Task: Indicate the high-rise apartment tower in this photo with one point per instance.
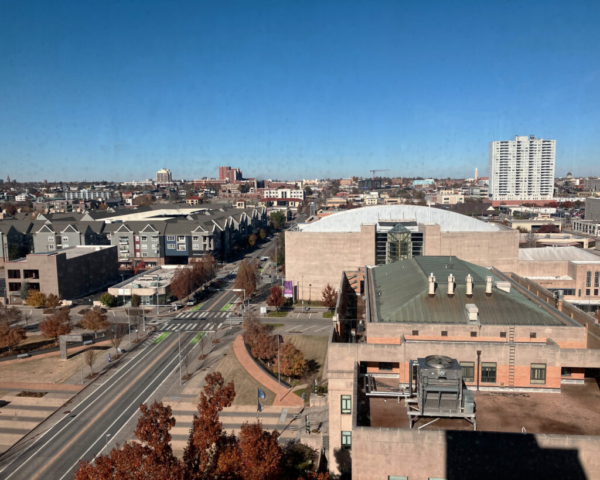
(522, 169)
(164, 176)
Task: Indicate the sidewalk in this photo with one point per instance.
(288, 398)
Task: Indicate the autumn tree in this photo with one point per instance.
(36, 299)
(276, 298)
(115, 333)
(108, 300)
(262, 233)
(182, 282)
(89, 357)
(258, 337)
(252, 240)
(53, 301)
(207, 440)
(291, 361)
(277, 219)
(136, 300)
(95, 319)
(259, 453)
(57, 324)
(11, 336)
(329, 297)
(9, 314)
(548, 228)
(247, 278)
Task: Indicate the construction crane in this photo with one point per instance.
(373, 172)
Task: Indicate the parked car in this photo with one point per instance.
(264, 258)
(191, 303)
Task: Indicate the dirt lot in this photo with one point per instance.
(314, 349)
(44, 370)
(245, 385)
(572, 412)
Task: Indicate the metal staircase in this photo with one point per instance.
(511, 356)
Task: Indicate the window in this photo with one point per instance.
(396, 477)
(444, 333)
(155, 238)
(195, 238)
(31, 274)
(171, 238)
(473, 334)
(196, 246)
(587, 292)
(346, 440)
(565, 371)
(14, 287)
(144, 247)
(144, 254)
(346, 404)
(181, 248)
(533, 335)
(181, 238)
(538, 373)
(144, 238)
(14, 274)
(488, 373)
(502, 334)
(51, 239)
(468, 371)
(596, 279)
(579, 293)
(171, 246)
(595, 292)
(386, 366)
(50, 247)
(588, 279)
(65, 239)
(415, 333)
(123, 240)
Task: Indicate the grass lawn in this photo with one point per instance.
(226, 307)
(328, 315)
(312, 303)
(45, 370)
(304, 390)
(273, 326)
(197, 338)
(277, 314)
(161, 337)
(245, 385)
(314, 349)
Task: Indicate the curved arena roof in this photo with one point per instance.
(351, 220)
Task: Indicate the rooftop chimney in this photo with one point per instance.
(450, 285)
(488, 286)
(469, 281)
(431, 286)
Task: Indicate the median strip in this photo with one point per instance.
(197, 307)
(226, 307)
(197, 338)
(161, 337)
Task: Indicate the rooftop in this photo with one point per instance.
(553, 254)
(351, 220)
(573, 412)
(400, 293)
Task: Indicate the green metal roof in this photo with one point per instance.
(401, 295)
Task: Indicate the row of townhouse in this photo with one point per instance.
(156, 241)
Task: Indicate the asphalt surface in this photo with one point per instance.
(81, 433)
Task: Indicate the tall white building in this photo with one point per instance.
(164, 176)
(522, 169)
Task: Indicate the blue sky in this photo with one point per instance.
(116, 90)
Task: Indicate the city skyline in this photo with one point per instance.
(292, 91)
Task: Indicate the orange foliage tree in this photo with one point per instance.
(59, 323)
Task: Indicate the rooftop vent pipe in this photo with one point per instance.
(450, 285)
(431, 286)
(488, 286)
(469, 280)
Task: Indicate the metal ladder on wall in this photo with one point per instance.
(511, 356)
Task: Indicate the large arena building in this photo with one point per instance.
(317, 253)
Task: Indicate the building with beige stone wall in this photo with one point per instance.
(523, 359)
(318, 253)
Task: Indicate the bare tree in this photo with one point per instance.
(89, 357)
(115, 333)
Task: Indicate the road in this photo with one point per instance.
(82, 431)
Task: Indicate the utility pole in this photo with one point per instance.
(129, 326)
(180, 381)
(81, 357)
(278, 371)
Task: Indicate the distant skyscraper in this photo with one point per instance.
(164, 176)
(230, 174)
(522, 169)
(476, 175)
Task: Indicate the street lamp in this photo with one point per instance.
(106, 443)
(309, 292)
(243, 305)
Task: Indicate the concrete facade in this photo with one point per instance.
(592, 209)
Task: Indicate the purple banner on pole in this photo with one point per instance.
(288, 289)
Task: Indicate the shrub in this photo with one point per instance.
(108, 300)
(36, 299)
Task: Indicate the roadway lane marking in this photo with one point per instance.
(72, 419)
(161, 337)
(328, 326)
(70, 470)
(209, 326)
(292, 327)
(101, 414)
(179, 315)
(191, 325)
(307, 328)
(204, 315)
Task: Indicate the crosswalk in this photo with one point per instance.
(201, 314)
(189, 327)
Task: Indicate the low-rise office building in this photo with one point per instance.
(588, 227)
(70, 273)
(153, 286)
(518, 359)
